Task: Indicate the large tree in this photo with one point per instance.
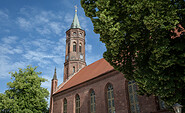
(25, 94)
(145, 41)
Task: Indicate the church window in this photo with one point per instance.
(73, 69)
(161, 103)
(80, 34)
(77, 103)
(80, 47)
(65, 106)
(92, 102)
(74, 46)
(74, 33)
(134, 104)
(110, 98)
(68, 47)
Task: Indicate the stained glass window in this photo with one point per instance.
(77, 104)
(134, 104)
(92, 102)
(110, 98)
(65, 106)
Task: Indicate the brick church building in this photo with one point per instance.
(96, 88)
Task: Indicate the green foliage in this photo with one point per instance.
(138, 37)
(25, 94)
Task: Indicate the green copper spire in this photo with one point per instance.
(55, 75)
(75, 23)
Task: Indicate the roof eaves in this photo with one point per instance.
(84, 81)
(63, 83)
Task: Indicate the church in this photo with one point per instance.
(96, 88)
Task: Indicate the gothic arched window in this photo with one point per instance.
(134, 105)
(92, 102)
(80, 47)
(77, 101)
(65, 106)
(74, 46)
(110, 99)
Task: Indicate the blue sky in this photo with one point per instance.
(32, 32)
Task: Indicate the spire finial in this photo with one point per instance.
(75, 23)
(75, 8)
(55, 75)
(55, 69)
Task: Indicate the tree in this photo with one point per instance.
(145, 40)
(25, 94)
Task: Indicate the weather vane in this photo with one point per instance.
(76, 8)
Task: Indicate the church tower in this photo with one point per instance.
(54, 83)
(75, 48)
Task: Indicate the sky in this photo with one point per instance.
(32, 32)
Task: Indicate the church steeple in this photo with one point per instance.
(54, 83)
(55, 75)
(75, 23)
(75, 48)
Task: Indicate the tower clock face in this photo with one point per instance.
(81, 56)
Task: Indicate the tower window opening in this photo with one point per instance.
(68, 47)
(73, 69)
(67, 72)
(74, 46)
(80, 34)
(80, 47)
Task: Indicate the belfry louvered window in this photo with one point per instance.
(65, 106)
(92, 102)
(110, 98)
(77, 104)
(134, 104)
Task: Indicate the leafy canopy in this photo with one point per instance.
(25, 94)
(144, 41)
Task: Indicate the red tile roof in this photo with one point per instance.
(87, 73)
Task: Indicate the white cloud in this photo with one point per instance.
(43, 22)
(83, 23)
(92, 58)
(25, 24)
(55, 26)
(43, 31)
(6, 45)
(3, 15)
(7, 66)
(88, 48)
(68, 18)
(9, 39)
